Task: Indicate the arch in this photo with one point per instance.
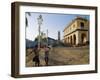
(74, 39)
(70, 39)
(83, 38)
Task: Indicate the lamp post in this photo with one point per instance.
(40, 20)
(47, 37)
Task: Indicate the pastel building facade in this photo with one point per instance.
(77, 32)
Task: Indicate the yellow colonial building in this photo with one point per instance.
(77, 32)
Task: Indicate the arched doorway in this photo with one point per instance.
(70, 39)
(74, 39)
(83, 38)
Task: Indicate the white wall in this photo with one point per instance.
(5, 40)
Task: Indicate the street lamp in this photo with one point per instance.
(47, 37)
(40, 20)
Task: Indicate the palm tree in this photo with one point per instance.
(26, 18)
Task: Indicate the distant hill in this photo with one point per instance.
(51, 41)
(30, 43)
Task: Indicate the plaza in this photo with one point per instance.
(62, 56)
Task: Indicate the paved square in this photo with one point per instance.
(61, 56)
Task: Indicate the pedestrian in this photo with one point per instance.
(46, 51)
(36, 57)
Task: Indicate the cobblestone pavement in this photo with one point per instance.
(61, 56)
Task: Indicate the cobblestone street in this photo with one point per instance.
(61, 56)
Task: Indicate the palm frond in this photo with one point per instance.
(26, 21)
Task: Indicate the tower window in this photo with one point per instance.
(82, 25)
